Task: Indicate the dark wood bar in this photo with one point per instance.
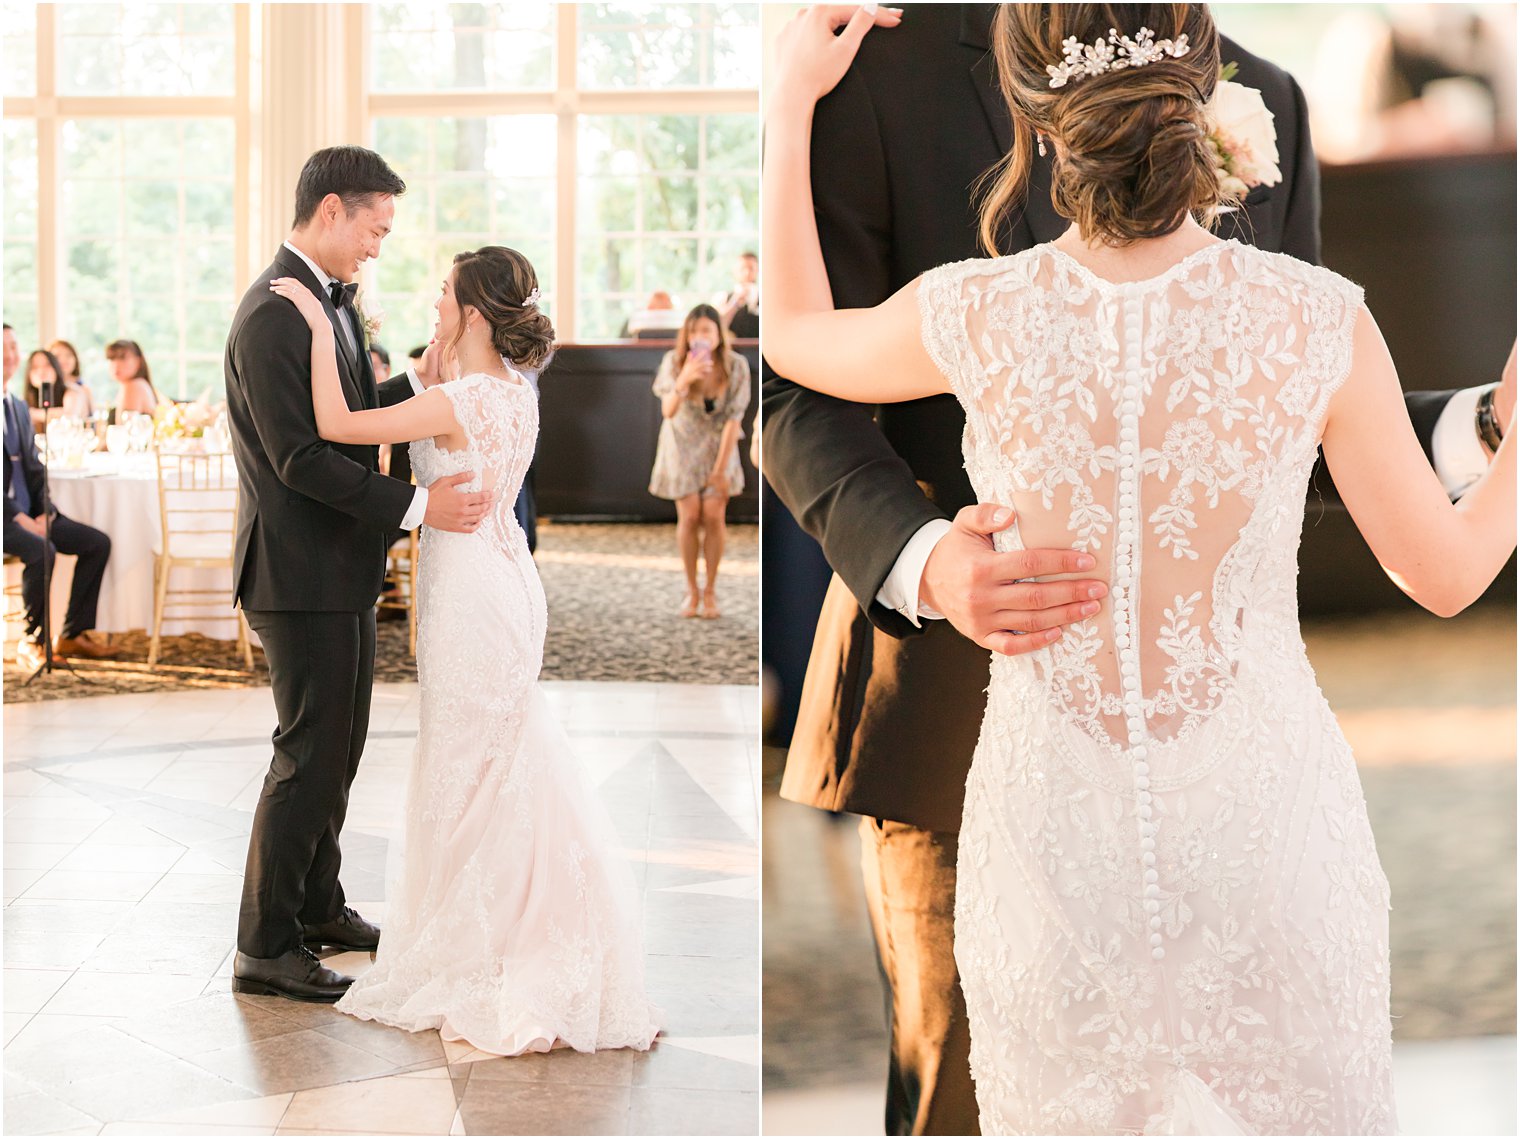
(599, 425)
(1432, 241)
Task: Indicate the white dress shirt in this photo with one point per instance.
(414, 513)
(1460, 460)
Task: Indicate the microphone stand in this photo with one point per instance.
(50, 662)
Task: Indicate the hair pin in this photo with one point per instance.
(1114, 54)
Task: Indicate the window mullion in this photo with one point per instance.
(49, 290)
(567, 168)
(242, 142)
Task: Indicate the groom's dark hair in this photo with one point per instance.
(355, 174)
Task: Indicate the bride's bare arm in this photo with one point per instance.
(872, 355)
(421, 417)
(1440, 554)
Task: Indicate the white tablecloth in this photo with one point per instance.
(119, 494)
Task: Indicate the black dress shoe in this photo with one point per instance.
(297, 975)
(346, 931)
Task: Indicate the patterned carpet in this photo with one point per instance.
(613, 590)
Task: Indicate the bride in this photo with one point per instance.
(1170, 915)
(515, 926)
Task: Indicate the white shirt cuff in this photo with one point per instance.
(411, 374)
(900, 591)
(413, 517)
(1459, 456)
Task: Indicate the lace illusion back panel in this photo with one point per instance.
(501, 422)
(514, 924)
(1170, 913)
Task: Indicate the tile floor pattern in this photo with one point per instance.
(125, 830)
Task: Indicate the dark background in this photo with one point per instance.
(1432, 241)
(599, 422)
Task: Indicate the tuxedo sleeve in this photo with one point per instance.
(31, 465)
(825, 458)
(276, 381)
(395, 390)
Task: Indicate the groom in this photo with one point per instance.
(314, 519)
(892, 702)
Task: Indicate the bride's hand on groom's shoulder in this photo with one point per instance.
(980, 590)
(811, 58)
(304, 299)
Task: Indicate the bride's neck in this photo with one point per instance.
(1145, 255)
(478, 354)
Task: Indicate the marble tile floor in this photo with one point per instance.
(124, 835)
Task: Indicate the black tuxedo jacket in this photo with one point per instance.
(314, 518)
(31, 465)
(890, 715)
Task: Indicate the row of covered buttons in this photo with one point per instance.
(1129, 449)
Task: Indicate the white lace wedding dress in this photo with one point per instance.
(1170, 916)
(515, 925)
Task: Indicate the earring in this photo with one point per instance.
(1040, 143)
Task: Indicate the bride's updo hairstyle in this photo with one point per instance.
(499, 283)
(1130, 150)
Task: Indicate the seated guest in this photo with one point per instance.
(380, 365)
(23, 537)
(130, 370)
(47, 382)
(395, 458)
(740, 306)
(396, 461)
(657, 320)
(68, 360)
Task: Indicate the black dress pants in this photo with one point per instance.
(89, 545)
(526, 510)
(321, 667)
(909, 877)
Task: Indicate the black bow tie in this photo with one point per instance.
(342, 295)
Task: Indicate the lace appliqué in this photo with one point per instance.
(515, 923)
(1169, 910)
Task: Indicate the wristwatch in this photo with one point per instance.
(1487, 421)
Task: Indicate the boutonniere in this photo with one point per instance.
(370, 319)
(1242, 135)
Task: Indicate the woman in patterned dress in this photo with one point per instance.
(703, 389)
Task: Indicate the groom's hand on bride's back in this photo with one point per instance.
(449, 508)
(979, 590)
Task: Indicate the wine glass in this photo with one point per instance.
(140, 432)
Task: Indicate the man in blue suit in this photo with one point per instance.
(24, 538)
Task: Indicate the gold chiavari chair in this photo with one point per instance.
(14, 609)
(401, 568)
(197, 506)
